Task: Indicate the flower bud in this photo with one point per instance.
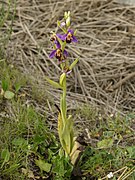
(68, 21)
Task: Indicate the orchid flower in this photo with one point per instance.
(61, 56)
(68, 37)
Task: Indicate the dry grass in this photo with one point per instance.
(105, 75)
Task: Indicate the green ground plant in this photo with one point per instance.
(113, 149)
(30, 150)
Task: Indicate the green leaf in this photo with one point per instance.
(68, 135)
(17, 87)
(58, 167)
(53, 83)
(12, 168)
(61, 152)
(131, 151)
(73, 64)
(58, 23)
(5, 155)
(75, 32)
(5, 84)
(62, 167)
(19, 142)
(105, 143)
(9, 94)
(62, 79)
(63, 106)
(44, 166)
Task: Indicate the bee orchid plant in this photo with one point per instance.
(65, 123)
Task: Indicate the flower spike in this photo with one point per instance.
(65, 123)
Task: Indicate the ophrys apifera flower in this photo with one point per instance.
(61, 56)
(68, 37)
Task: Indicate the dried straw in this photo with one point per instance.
(105, 74)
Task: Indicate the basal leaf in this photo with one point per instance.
(5, 155)
(19, 142)
(17, 87)
(5, 84)
(44, 166)
(9, 94)
(105, 143)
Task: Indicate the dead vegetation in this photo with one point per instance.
(105, 75)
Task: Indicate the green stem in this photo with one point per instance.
(63, 104)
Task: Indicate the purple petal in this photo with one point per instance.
(52, 54)
(62, 24)
(65, 53)
(74, 39)
(57, 44)
(59, 35)
(62, 37)
(71, 31)
(68, 72)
